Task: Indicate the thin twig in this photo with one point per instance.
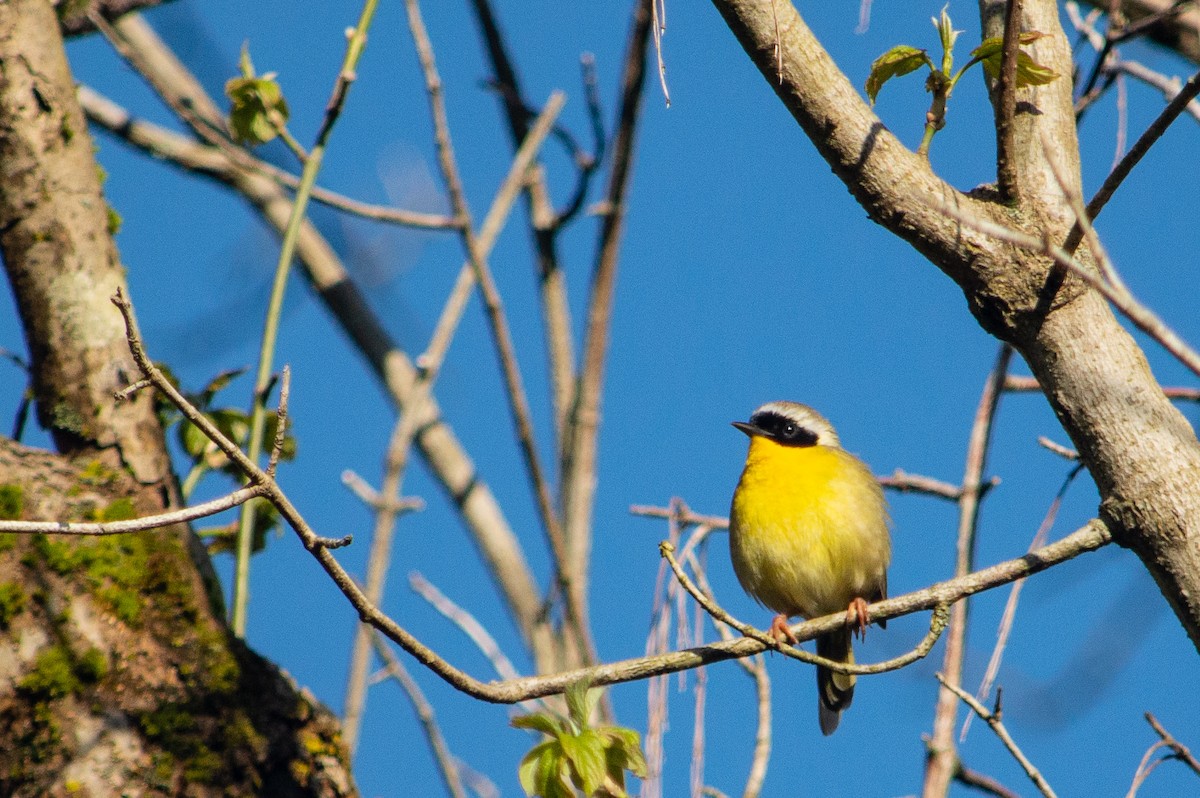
(1181, 751)
(1007, 176)
(1170, 87)
(465, 621)
(679, 510)
(1145, 768)
(993, 720)
(903, 482)
(281, 421)
(936, 625)
(1178, 751)
(939, 767)
(578, 463)
(1134, 156)
(90, 529)
(574, 599)
(756, 668)
(976, 780)
(1141, 316)
(1062, 451)
(1014, 595)
(447, 766)
(407, 426)
(544, 224)
(1024, 384)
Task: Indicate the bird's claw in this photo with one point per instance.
(780, 631)
(857, 616)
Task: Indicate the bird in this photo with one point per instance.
(808, 530)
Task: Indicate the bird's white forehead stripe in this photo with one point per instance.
(803, 415)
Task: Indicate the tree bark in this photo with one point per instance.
(117, 672)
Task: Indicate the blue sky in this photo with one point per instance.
(747, 274)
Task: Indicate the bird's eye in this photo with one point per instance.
(789, 430)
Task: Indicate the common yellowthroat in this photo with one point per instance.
(808, 533)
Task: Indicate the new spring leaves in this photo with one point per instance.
(258, 111)
(579, 755)
(903, 59)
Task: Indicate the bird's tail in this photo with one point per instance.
(835, 691)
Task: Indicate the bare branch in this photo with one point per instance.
(447, 766)
(1146, 767)
(574, 598)
(407, 427)
(578, 464)
(1014, 595)
(1089, 538)
(1139, 314)
(465, 621)
(993, 719)
(157, 521)
(1170, 87)
(940, 765)
(1182, 753)
(1006, 105)
(1023, 384)
(976, 780)
(1152, 134)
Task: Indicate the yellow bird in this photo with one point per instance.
(808, 534)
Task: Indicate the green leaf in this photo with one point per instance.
(1029, 72)
(625, 747)
(256, 104)
(540, 721)
(536, 765)
(192, 440)
(900, 60)
(287, 452)
(578, 705)
(216, 385)
(946, 33)
(245, 65)
(586, 753)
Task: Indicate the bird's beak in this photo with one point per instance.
(749, 429)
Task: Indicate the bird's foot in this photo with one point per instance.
(780, 631)
(857, 615)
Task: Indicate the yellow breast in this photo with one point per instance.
(808, 529)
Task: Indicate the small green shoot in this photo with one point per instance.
(903, 59)
(258, 111)
(579, 758)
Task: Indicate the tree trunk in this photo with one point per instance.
(118, 674)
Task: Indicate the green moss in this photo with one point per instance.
(98, 474)
(114, 221)
(65, 417)
(57, 673)
(173, 728)
(216, 667)
(120, 510)
(202, 766)
(53, 675)
(12, 502)
(115, 566)
(12, 601)
(42, 741)
(92, 666)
